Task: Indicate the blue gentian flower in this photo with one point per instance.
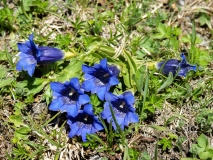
(123, 108)
(84, 123)
(68, 97)
(31, 55)
(177, 67)
(100, 77)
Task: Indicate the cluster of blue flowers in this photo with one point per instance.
(71, 97)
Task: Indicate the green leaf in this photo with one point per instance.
(205, 19)
(205, 155)
(38, 81)
(172, 136)
(108, 50)
(47, 95)
(131, 65)
(196, 149)
(202, 141)
(3, 72)
(126, 78)
(37, 88)
(210, 150)
(167, 82)
(193, 35)
(174, 42)
(170, 120)
(16, 120)
(140, 77)
(185, 38)
(204, 58)
(18, 106)
(101, 50)
(63, 40)
(72, 70)
(96, 138)
(23, 130)
(159, 128)
(27, 4)
(94, 100)
(161, 28)
(167, 143)
(5, 82)
(145, 156)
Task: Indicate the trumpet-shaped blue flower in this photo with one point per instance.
(84, 123)
(68, 97)
(31, 55)
(122, 107)
(100, 77)
(177, 67)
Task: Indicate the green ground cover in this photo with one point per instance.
(158, 115)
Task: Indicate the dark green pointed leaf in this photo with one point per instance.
(5, 82)
(72, 70)
(167, 82)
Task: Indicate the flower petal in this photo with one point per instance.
(57, 87)
(171, 65)
(126, 121)
(24, 55)
(56, 104)
(103, 63)
(25, 62)
(110, 97)
(185, 68)
(31, 69)
(85, 131)
(174, 66)
(129, 98)
(33, 46)
(88, 109)
(56, 95)
(114, 69)
(87, 69)
(97, 66)
(48, 54)
(113, 81)
(183, 58)
(101, 92)
(28, 64)
(106, 113)
(83, 99)
(74, 82)
(88, 76)
(74, 129)
(98, 126)
(25, 48)
(88, 85)
(118, 120)
(71, 109)
(132, 117)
